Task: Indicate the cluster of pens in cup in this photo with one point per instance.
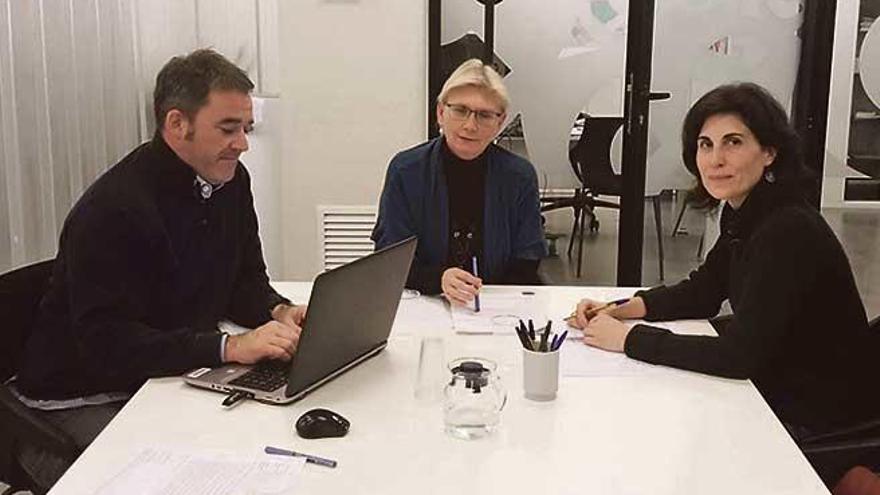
(540, 360)
(530, 340)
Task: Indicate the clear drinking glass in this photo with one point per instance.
(473, 398)
(431, 375)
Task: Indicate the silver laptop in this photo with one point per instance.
(351, 311)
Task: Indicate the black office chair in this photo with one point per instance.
(590, 159)
(21, 291)
(833, 453)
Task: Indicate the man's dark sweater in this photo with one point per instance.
(145, 270)
(799, 329)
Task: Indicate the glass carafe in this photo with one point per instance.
(473, 398)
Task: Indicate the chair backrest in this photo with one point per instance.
(21, 291)
(591, 157)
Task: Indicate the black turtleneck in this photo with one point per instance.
(466, 186)
(146, 267)
(799, 329)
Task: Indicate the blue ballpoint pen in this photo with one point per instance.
(559, 341)
(476, 274)
(309, 458)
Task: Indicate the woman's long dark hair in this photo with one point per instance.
(765, 118)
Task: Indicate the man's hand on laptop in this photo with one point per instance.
(290, 315)
(274, 340)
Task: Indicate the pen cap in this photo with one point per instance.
(540, 375)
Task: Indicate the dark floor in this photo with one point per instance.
(857, 229)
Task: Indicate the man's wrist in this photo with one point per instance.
(223, 339)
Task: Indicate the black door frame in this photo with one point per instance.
(435, 18)
(809, 108)
(637, 95)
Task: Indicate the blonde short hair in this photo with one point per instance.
(476, 74)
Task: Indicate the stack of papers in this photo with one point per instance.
(172, 472)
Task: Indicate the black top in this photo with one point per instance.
(145, 270)
(466, 186)
(799, 329)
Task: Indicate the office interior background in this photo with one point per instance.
(342, 85)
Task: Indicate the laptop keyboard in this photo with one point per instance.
(266, 377)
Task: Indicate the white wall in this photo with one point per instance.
(353, 86)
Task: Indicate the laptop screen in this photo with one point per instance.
(351, 311)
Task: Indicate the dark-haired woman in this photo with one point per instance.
(799, 329)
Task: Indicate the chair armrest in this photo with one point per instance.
(27, 427)
(867, 432)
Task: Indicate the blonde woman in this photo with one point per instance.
(473, 205)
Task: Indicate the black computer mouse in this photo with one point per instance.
(321, 423)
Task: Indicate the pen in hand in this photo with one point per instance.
(476, 274)
(594, 311)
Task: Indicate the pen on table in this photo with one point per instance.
(476, 274)
(596, 310)
(309, 458)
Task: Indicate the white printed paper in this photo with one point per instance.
(178, 472)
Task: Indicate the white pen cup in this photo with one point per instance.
(431, 374)
(540, 375)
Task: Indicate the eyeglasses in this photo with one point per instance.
(482, 117)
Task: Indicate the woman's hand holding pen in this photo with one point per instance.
(459, 286)
(588, 309)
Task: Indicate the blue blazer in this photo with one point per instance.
(415, 201)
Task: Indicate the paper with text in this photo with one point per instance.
(181, 472)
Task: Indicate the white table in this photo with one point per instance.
(669, 432)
